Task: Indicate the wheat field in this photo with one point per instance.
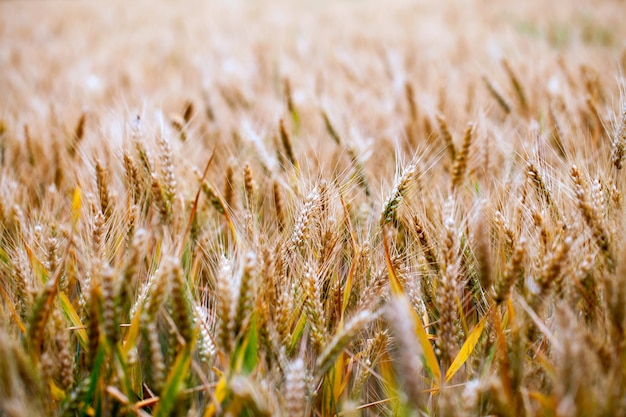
(351, 208)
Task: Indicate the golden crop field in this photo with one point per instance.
(350, 208)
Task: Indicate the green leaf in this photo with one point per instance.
(95, 379)
(251, 354)
(246, 354)
(128, 375)
(174, 382)
(297, 333)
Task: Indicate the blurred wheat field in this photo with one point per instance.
(353, 208)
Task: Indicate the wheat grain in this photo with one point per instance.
(125, 293)
(181, 306)
(249, 186)
(447, 137)
(295, 389)
(102, 181)
(79, 133)
(592, 216)
(497, 95)
(286, 141)
(399, 190)
(245, 299)
(167, 167)
(517, 86)
(460, 162)
(225, 296)
(618, 144)
(314, 308)
(513, 273)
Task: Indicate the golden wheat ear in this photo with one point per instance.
(618, 144)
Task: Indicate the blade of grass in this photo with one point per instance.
(57, 393)
(38, 267)
(74, 319)
(44, 307)
(76, 205)
(246, 354)
(467, 349)
(348, 286)
(174, 381)
(390, 385)
(96, 379)
(548, 403)
(430, 359)
(297, 333)
(126, 373)
(133, 332)
(221, 393)
(505, 367)
(396, 285)
(338, 378)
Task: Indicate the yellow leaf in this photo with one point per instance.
(38, 267)
(346, 380)
(133, 332)
(396, 285)
(221, 391)
(545, 363)
(297, 333)
(510, 309)
(548, 403)
(467, 349)
(76, 205)
(72, 316)
(430, 360)
(389, 381)
(338, 380)
(348, 287)
(57, 393)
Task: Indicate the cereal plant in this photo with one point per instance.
(353, 208)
